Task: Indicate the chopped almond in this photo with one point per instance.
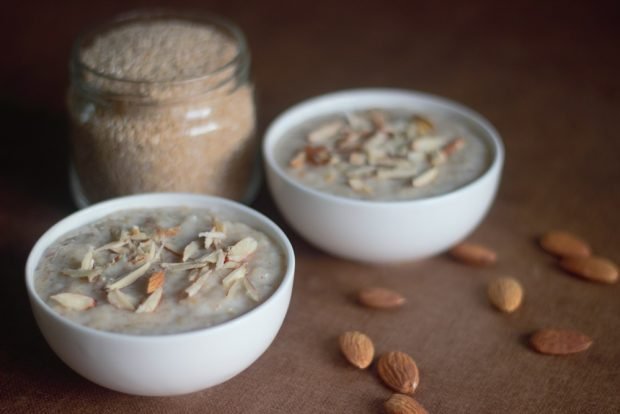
(242, 249)
(198, 284)
(88, 262)
(121, 300)
(156, 280)
(151, 302)
(74, 301)
(233, 276)
(190, 250)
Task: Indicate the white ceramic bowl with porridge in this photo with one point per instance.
(382, 175)
(161, 294)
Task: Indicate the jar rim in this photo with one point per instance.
(77, 65)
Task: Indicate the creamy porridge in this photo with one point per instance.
(159, 271)
(384, 155)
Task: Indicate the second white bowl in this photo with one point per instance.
(374, 231)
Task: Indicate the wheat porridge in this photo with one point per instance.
(384, 155)
(159, 271)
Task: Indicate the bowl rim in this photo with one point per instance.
(492, 138)
(115, 205)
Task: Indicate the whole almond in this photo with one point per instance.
(403, 404)
(357, 348)
(380, 298)
(505, 293)
(399, 372)
(473, 254)
(559, 341)
(564, 244)
(596, 269)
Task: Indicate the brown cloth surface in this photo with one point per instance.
(546, 75)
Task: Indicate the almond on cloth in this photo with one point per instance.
(473, 254)
(403, 404)
(380, 298)
(559, 341)
(399, 372)
(564, 244)
(505, 293)
(357, 348)
(596, 269)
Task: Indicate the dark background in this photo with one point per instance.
(546, 74)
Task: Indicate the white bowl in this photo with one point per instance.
(375, 231)
(171, 364)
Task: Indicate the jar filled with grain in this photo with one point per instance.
(162, 101)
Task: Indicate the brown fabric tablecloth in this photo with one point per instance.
(547, 75)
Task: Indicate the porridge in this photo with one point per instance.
(159, 271)
(384, 155)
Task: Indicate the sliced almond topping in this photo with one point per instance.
(193, 275)
(156, 280)
(365, 171)
(425, 178)
(427, 144)
(219, 226)
(423, 125)
(165, 233)
(91, 274)
(213, 234)
(210, 257)
(298, 161)
(114, 246)
(121, 300)
(325, 131)
(138, 259)
(74, 301)
(360, 186)
(242, 249)
(376, 141)
(151, 302)
(233, 287)
(437, 158)
(250, 289)
(233, 276)
(415, 157)
(317, 155)
(231, 265)
(349, 141)
(358, 122)
(198, 284)
(130, 277)
(221, 259)
(357, 158)
(453, 146)
(88, 262)
(190, 250)
(210, 236)
(378, 119)
(334, 159)
(136, 234)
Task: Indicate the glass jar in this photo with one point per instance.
(162, 101)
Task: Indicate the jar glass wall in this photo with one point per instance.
(162, 101)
